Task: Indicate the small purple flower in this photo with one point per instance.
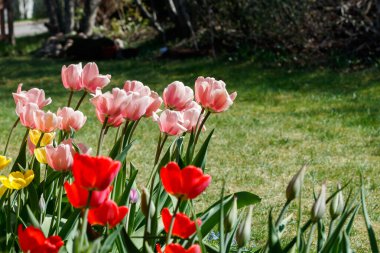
(133, 196)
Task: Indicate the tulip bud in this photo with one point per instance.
(42, 203)
(294, 187)
(319, 206)
(145, 196)
(243, 232)
(337, 204)
(231, 219)
(133, 196)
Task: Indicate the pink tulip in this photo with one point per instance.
(71, 119)
(72, 77)
(60, 158)
(212, 94)
(46, 121)
(92, 80)
(170, 122)
(33, 95)
(191, 116)
(136, 86)
(110, 105)
(135, 106)
(26, 114)
(177, 95)
(83, 149)
(154, 104)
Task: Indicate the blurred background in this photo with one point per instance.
(287, 31)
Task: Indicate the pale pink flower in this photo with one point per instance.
(71, 119)
(212, 94)
(26, 114)
(177, 95)
(92, 80)
(170, 122)
(72, 77)
(46, 121)
(83, 149)
(110, 105)
(33, 95)
(135, 106)
(136, 86)
(60, 158)
(154, 104)
(191, 115)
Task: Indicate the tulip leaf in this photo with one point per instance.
(351, 222)
(200, 158)
(371, 233)
(273, 239)
(70, 224)
(190, 149)
(108, 243)
(32, 218)
(121, 157)
(211, 216)
(115, 149)
(124, 197)
(33, 198)
(127, 242)
(21, 158)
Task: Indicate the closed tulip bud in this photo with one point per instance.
(295, 185)
(42, 203)
(231, 219)
(243, 233)
(145, 196)
(337, 204)
(319, 207)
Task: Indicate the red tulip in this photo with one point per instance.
(177, 248)
(32, 240)
(78, 196)
(94, 173)
(183, 227)
(187, 183)
(108, 213)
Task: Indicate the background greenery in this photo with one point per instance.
(281, 118)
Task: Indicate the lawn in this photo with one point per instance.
(281, 119)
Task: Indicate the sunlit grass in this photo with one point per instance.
(281, 119)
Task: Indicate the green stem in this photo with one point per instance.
(60, 191)
(81, 100)
(70, 97)
(101, 135)
(85, 215)
(299, 221)
(310, 239)
(172, 221)
(331, 227)
(18, 209)
(9, 136)
(282, 213)
(199, 130)
(40, 139)
(160, 146)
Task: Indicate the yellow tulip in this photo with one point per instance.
(3, 189)
(40, 154)
(4, 161)
(35, 135)
(17, 180)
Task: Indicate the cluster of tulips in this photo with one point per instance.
(58, 197)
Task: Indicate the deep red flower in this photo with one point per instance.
(108, 213)
(177, 248)
(187, 183)
(94, 173)
(32, 240)
(78, 196)
(183, 227)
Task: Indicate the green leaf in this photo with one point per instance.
(32, 218)
(108, 243)
(371, 233)
(33, 199)
(21, 158)
(124, 197)
(127, 242)
(273, 240)
(70, 224)
(200, 158)
(121, 157)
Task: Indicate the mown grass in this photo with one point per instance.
(281, 119)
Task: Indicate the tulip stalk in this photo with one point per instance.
(70, 98)
(85, 215)
(81, 100)
(101, 136)
(9, 136)
(172, 221)
(310, 239)
(60, 192)
(199, 130)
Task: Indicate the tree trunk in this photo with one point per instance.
(11, 36)
(69, 16)
(90, 11)
(152, 17)
(51, 10)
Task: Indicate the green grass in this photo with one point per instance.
(280, 119)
